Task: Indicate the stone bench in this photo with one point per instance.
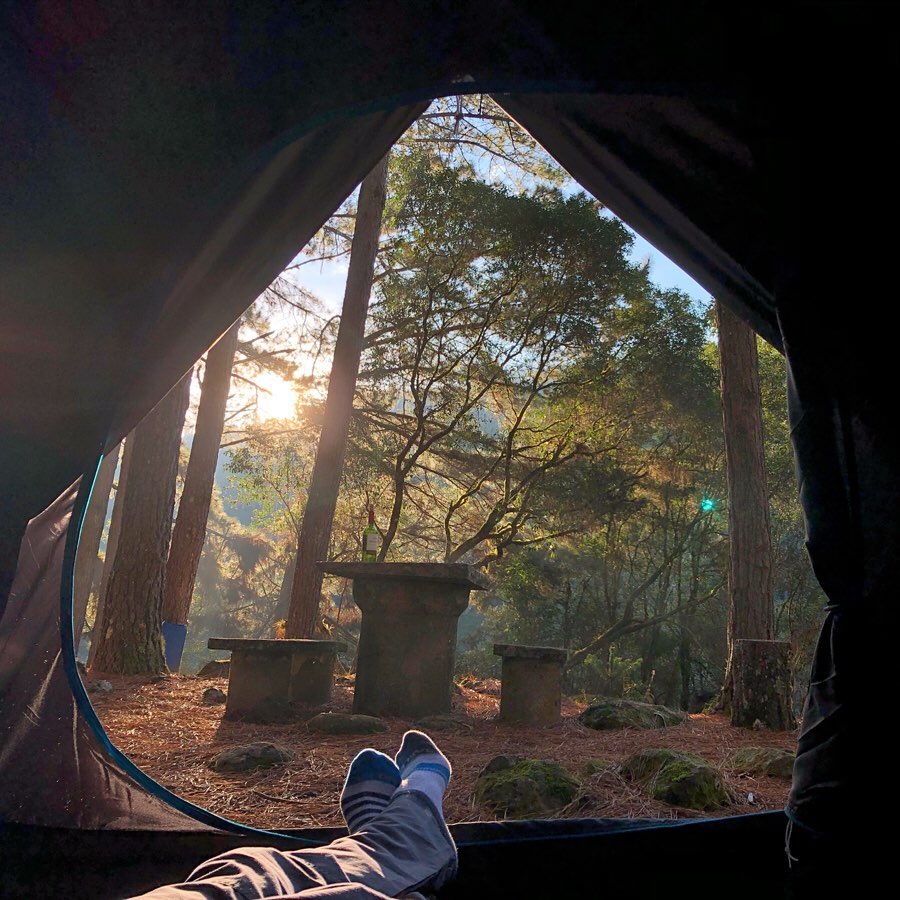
(272, 674)
(531, 683)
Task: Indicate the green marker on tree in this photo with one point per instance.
(371, 539)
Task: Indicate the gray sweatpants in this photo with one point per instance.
(402, 850)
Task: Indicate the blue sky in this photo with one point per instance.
(665, 273)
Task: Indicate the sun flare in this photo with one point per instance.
(276, 398)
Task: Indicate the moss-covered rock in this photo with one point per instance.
(607, 714)
(680, 779)
(344, 723)
(595, 766)
(771, 761)
(258, 755)
(644, 764)
(523, 788)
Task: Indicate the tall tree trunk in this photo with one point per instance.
(315, 531)
(89, 543)
(112, 544)
(189, 531)
(284, 592)
(130, 642)
(750, 608)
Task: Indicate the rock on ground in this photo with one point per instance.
(345, 723)
(215, 668)
(440, 722)
(680, 779)
(607, 714)
(524, 788)
(213, 697)
(771, 761)
(258, 755)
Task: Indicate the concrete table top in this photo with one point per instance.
(262, 645)
(451, 573)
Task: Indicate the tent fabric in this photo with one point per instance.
(622, 148)
(76, 784)
(496, 859)
(162, 161)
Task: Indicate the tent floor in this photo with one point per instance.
(739, 857)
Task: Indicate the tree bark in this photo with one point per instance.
(315, 531)
(762, 685)
(282, 607)
(750, 609)
(189, 531)
(130, 642)
(89, 542)
(112, 544)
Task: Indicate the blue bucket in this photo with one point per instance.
(174, 636)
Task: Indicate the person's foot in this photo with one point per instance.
(371, 781)
(423, 767)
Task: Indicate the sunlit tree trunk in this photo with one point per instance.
(315, 531)
(112, 544)
(284, 592)
(189, 531)
(89, 543)
(130, 641)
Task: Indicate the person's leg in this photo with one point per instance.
(423, 767)
(404, 848)
(371, 781)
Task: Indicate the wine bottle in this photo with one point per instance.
(371, 539)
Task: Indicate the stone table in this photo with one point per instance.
(407, 640)
(273, 674)
(531, 683)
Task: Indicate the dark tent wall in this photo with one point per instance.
(623, 148)
(78, 784)
(150, 174)
(161, 162)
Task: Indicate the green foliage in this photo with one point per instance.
(268, 472)
(530, 402)
(237, 586)
(509, 363)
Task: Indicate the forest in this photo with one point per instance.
(505, 386)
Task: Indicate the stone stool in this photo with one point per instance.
(267, 672)
(531, 683)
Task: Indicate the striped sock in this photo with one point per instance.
(423, 767)
(371, 781)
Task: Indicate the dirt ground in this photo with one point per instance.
(166, 730)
